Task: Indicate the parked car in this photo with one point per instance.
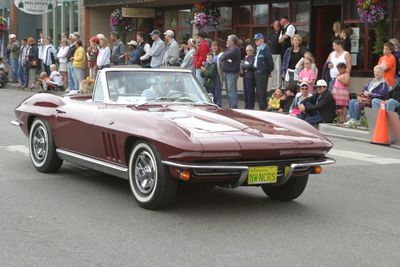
(158, 128)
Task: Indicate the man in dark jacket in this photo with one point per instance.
(320, 107)
(392, 102)
(231, 67)
(263, 64)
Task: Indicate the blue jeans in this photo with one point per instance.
(71, 82)
(23, 74)
(330, 84)
(231, 88)
(249, 86)
(46, 69)
(198, 75)
(79, 75)
(218, 91)
(14, 69)
(313, 120)
(354, 109)
(391, 104)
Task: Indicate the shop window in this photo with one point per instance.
(170, 20)
(225, 26)
(358, 52)
(179, 22)
(244, 14)
(260, 14)
(279, 9)
(396, 20)
(301, 11)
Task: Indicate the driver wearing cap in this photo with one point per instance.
(320, 107)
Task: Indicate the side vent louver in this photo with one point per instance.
(111, 147)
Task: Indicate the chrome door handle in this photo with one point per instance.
(59, 111)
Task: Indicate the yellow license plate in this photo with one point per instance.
(263, 175)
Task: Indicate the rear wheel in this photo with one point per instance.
(288, 191)
(41, 147)
(149, 179)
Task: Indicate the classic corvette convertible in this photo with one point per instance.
(160, 128)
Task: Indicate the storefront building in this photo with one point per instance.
(313, 20)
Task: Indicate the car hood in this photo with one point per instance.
(227, 129)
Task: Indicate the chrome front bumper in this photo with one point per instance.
(245, 169)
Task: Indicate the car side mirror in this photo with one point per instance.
(210, 95)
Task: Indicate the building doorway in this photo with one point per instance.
(322, 19)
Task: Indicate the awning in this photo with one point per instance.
(102, 3)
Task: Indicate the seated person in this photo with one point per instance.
(375, 88)
(320, 107)
(160, 88)
(3, 73)
(303, 94)
(56, 79)
(274, 103)
(43, 78)
(288, 97)
(393, 100)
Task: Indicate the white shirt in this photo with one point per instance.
(104, 57)
(56, 77)
(146, 49)
(290, 30)
(63, 53)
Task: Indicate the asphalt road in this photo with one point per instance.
(347, 216)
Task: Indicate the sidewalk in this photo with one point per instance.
(356, 134)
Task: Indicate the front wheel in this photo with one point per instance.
(42, 149)
(149, 178)
(288, 191)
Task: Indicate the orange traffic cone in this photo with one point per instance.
(381, 133)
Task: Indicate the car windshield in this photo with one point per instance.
(141, 87)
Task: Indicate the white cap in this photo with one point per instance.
(100, 36)
(170, 33)
(304, 84)
(134, 43)
(12, 36)
(321, 83)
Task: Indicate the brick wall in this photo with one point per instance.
(13, 27)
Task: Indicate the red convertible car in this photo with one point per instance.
(159, 128)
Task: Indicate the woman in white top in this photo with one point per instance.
(103, 59)
(338, 55)
(62, 58)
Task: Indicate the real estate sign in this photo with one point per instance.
(35, 7)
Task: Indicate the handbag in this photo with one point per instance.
(34, 63)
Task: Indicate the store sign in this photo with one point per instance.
(35, 7)
(138, 12)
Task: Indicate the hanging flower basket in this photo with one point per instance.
(371, 11)
(119, 24)
(3, 25)
(206, 16)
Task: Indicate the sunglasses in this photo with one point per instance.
(304, 88)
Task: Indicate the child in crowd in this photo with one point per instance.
(307, 75)
(341, 92)
(300, 64)
(55, 81)
(274, 103)
(209, 72)
(288, 97)
(3, 73)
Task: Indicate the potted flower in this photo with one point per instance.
(372, 12)
(206, 16)
(3, 25)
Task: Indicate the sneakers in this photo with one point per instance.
(352, 123)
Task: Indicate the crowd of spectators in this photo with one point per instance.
(294, 86)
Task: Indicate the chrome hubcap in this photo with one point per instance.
(145, 172)
(39, 143)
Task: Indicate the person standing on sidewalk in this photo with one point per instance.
(201, 56)
(72, 47)
(32, 59)
(171, 56)
(275, 47)
(231, 68)
(117, 50)
(248, 78)
(263, 64)
(13, 46)
(22, 68)
(49, 55)
(143, 48)
(157, 49)
(79, 63)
